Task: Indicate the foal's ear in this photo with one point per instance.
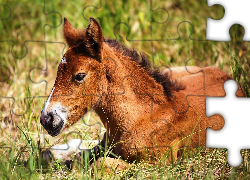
(94, 30)
(92, 36)
(72, 35)
(95, 38)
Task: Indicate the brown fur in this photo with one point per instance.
(132, 99)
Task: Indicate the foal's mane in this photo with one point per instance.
(168, 84)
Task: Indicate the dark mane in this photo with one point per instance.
(168, 84)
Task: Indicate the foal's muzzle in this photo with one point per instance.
(52, 123)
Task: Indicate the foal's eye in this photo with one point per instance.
(80, 76)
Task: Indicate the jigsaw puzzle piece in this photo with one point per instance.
(16, 161)
(231, 57)
(177, 14)
(189, 51)
(18, 36)
(143, 22)
(16, 158)
(208, 82)
(54, 9)
(179, 85)
(43, 73)
(111, 71)
(227, 106)
(187, 119)
(150, 145)
(218, 30)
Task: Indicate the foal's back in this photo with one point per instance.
(189, 123)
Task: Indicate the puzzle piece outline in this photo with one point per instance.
(219, 29)
(213, 140)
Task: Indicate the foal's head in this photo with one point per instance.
(80, 78)
(85, 71)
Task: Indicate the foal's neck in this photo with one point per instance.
(133, 91)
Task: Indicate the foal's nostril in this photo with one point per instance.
(49, 118)
(46, 120)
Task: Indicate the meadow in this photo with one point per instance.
(32, 45)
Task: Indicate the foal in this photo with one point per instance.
(147, 113)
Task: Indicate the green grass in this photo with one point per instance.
(34, 22)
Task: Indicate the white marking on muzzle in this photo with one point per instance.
(47, 102)
(59, 111)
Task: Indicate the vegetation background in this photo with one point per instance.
(172, 33)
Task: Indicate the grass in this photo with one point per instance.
(21, 51)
